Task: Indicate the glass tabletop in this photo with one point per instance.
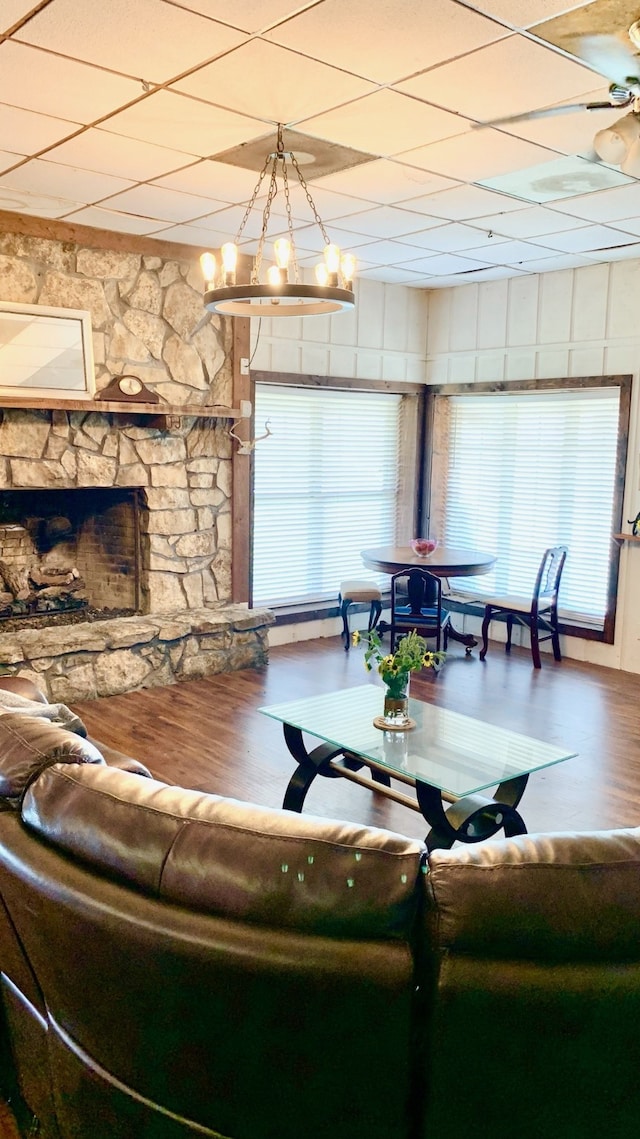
(450, 751)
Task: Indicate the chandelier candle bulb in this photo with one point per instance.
(229, 253)
(282, 250)
(208, 266)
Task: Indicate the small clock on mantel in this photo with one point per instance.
(128, 389)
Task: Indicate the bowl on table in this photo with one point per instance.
(424, 547)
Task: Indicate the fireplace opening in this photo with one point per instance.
(69, 554)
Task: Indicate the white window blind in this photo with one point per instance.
(529, 470)
(326, 486)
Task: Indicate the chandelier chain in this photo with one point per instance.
(273, 190)
(287, 200)
(310, 200)
(252, 200)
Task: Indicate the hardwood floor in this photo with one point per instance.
(209, 734)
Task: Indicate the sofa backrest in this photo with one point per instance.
(211, 967)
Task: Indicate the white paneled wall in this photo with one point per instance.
(383, 338)
(577, 322)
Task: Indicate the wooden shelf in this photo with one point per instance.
(626, 537)
(160, 414)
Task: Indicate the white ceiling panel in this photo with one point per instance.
(464, 203)
(606, 205)
(248, 15)
(144, 92)
(114, 154)
(158, 202)
(39, 177)
(167, 118)
(387, 40)
(12, 11)
(478, 155)
(554, 264)
(39, 205)
(119, 223)
(587, 239)
(33, 132)
(524, 13)
(384, 124)
(298, 87)
(488, 83)
(64, 88)
(534, 221)
(148, 40)
(385, 181)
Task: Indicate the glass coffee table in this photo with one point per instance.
(451, 761)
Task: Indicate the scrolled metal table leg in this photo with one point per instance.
(473, 818)
(310, 764)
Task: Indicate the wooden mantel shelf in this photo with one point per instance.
(627, 537)
(162, 414)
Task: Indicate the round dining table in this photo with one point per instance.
(445, 561)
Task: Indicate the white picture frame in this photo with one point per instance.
(45, 352)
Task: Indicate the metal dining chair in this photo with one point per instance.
(538, 613)
(416, 603)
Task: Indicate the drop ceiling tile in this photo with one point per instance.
(12, 11)
(384, 221)
(148, 40)
(165, 205)
(488, 83)
(534, 221)
(7, 159)
(37, 205)
(41, 177)
(31, 132)
(510, 252)
(385, 253)
(568, 132)
(225, 183)
(385, 41)
(588, 238)
(477, 155)
(562, 178)
(311, 238)
(621, 253)
(384, 124)
(524, 13)
(297, 86)
(249, 15)
(195, 235)
(463, 203)
(454, 237)
(605, 205)
(121, 157)
(64, 88)
(228, 220)
(108, 219)
(328, 204)
(384, 181)
(169, 119)
(444, 264)
(560, 261)
(627, 225)
(391, 275)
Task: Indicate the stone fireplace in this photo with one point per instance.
(72, 551)
(142, 516)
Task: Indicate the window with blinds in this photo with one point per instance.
(532, 469)
(328, 483)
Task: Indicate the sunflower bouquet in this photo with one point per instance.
(411, 655)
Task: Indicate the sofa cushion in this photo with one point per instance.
(557, 897)
(29, 744)
(231, 858)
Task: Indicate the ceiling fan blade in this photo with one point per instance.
(548, 112)
(598, 34)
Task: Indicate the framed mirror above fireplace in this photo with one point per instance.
(45, 352)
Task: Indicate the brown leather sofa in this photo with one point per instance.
(174, 963)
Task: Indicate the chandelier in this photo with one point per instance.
(279, 295)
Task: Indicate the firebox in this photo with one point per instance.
(73, 549)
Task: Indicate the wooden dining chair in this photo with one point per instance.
(538, 613)
(416, 603)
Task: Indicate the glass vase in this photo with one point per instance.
(396, 701)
